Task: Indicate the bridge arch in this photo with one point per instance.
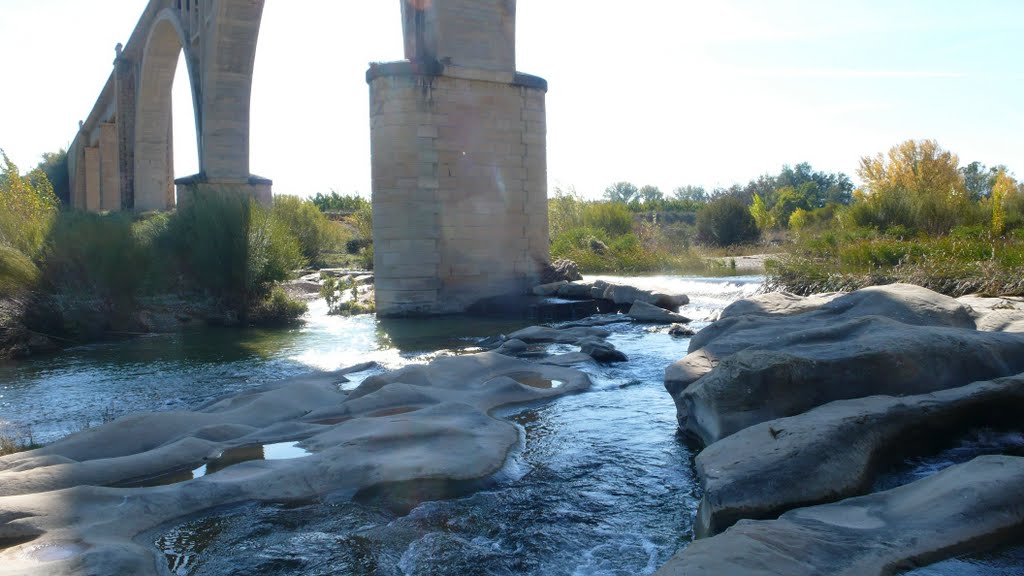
(154, 150)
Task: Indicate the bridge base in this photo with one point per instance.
(256, 187)
(459, 186)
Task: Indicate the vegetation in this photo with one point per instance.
(344, 297)
(726, 221)
(919, 218)
(316, 234)
(220, 247)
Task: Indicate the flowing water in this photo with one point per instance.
(602, 484)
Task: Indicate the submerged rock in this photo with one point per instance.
(965, 507)
(59, 513)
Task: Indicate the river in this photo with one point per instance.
(602, 485)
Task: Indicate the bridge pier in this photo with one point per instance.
(459, 162)
(257, 188)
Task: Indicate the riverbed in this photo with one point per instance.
(602, 484)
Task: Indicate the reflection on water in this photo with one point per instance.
(227, 458)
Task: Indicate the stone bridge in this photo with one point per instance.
(458, 142)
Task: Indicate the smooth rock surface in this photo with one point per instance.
(643, 312)
(801, 369)
(420, 422)
(968, 507)
(836, 450)
(880, 340)
(777, 304)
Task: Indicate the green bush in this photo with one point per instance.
(613, 218)
(99, 255)
(273, 251)
(277, 309)
(726, 221)
(315, 233)
(209, 239)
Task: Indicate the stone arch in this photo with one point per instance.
(229, 57)
(154, 150)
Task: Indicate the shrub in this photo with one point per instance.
(277, 309)
(27, 208)
(726, 221)
(315, 233)
(99, 256)
(273, 251)
(613, 218)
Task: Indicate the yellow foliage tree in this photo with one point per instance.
(1002, 189)
(27, 208)
(925, 175)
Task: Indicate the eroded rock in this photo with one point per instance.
(896, 339)
(835, 451)
(421, 422)
(644, 312)
(963, 508)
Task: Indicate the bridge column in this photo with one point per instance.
(92, 179)
(458, 146)
(226, 64)
(110, 177)
(125, 96)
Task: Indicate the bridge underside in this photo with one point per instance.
(123, 155)
(458, 142)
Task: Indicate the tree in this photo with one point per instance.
(691, 194)
(623, 192)
(55, 166)
(650, 194)
(1002, 189)
(27, 208)
(979, 179)
(762, 216)
(726, 221)
(924, 177)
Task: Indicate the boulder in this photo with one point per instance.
(550, 289)
(561, 270)
(545, 334)
(904, 303)
(575, 291)
(802, 369)
(982, 305)
(1002, 321)
(959, 510)
(681, 331)
(602, 351)
(777, 304)
(644, 312)
(512, 347)
(627, 295)
(880, 340)
(835, 451)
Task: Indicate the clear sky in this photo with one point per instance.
(662, 92)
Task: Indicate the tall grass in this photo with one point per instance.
(963, 262)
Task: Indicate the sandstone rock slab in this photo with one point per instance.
(836, 450)
(963, 508)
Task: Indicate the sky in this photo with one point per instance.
(661, 92)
